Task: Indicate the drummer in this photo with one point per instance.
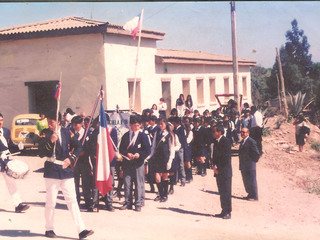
(6, 147)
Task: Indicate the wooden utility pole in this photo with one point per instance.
(279, 98)
(234, 54)
(283, 90)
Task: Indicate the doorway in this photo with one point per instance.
(41, 96)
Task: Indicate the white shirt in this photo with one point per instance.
(257, 120)
(162, 106)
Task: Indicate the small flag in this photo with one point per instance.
(57, 91)
(133, 26)
(105, 154)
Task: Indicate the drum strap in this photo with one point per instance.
(55, 161)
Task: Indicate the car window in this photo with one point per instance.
(25, 121)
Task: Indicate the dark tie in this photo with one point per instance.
(77, 135)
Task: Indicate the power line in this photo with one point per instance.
(159, 11)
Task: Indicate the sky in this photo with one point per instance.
(196, 26)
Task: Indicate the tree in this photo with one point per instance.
(296, 63)
(259, 76)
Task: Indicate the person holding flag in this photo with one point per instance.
(55, 144)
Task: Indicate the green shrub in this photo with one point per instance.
(266, 132)
(316, 146)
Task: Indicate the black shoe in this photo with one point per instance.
(125, 206)
(90, 209)
(110, 208)
(85, 233)
(157, 198)
(171, 191)
(50, 234)
(203, 174)
(220, 215)
(21, 208)
(137, 209)
(183, 184)
(226, 216)
(163, 199)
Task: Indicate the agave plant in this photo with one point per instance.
(295, 103)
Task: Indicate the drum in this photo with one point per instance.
(17, 169)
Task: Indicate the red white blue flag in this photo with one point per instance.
(57, 91)
(105, 154)
(133, 26)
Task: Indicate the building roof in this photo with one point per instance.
(69, 25)
(193, 57)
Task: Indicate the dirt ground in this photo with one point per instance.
(285, 209)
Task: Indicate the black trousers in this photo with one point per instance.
(224, 187)
(250, 183)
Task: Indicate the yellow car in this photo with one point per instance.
(24, 129)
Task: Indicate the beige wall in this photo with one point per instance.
(176, 73)
(80, 58)
(120, 52)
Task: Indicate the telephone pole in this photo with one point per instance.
(235, 54)
(283, 90)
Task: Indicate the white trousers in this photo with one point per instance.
(12, 188)
(69, 193)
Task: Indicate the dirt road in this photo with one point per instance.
(284, 211)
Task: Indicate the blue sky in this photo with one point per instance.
(196, 26)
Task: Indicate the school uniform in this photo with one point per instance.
(133, 170)
(56, 177)
(7, 146)
(181, 133)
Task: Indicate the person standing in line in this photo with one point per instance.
(180, 105)
(187, 153)
(6, 147)
(162, 107)
(163, 153)
(181, 133)
(198, 146)
(134, 148)
(82, 168)
(248, 157)
(56, 143)
(222, 170)
(256, 127)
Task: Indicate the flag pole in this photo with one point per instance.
(87, 129)
(137, 60)
(57, 113)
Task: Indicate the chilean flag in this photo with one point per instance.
(133, 26)
(57, 91)
(105, 154)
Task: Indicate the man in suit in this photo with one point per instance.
(248, 155)
(6, 147)
(135, 147)
(56, 143)
(222, 170)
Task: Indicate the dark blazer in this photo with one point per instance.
(199, 142)
(248, 154)
(180, 131)
(62, 152)
(222, 157)
(11, 146)
(141, 146)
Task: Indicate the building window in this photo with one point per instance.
(186, 87)
(212, 87)
(244, 87)
(200, 97)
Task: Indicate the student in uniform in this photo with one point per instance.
(198, 146)
(135, 148)
(163, 153)
(55, 144)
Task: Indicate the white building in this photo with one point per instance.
(92, 53)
